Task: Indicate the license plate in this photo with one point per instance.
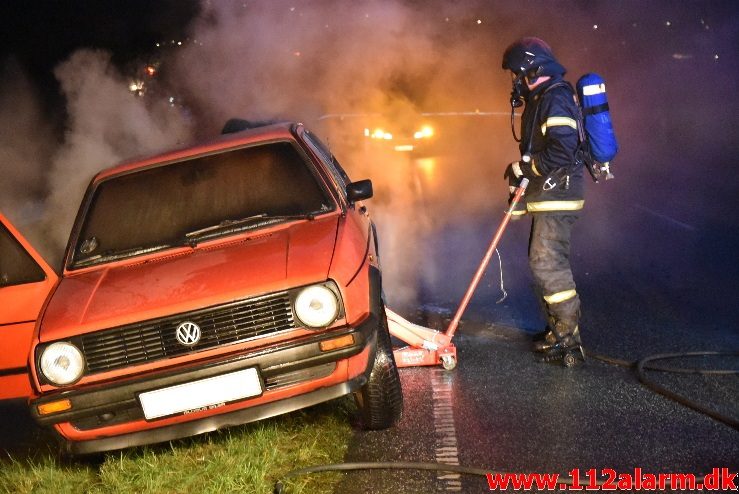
(202, 394)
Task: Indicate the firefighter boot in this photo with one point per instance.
(545, 338)
(566, 349)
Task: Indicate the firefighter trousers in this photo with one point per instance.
(549, 259)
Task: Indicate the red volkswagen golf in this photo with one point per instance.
(201, 288)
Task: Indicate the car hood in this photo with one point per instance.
(290, 255)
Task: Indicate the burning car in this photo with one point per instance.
(201, 288)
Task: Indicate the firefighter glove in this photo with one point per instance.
(519, 169)
(513, 173)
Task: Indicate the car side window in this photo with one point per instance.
(16, 265)
(340, 176)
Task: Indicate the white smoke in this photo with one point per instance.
(284, 60)
(273, 59)
(44, 180)
(106, 124)
(26, 141)
(303, 61)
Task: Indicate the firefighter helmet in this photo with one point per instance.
(531, 57)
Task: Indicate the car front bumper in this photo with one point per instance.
(294, 375)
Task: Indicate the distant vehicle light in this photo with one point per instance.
(424, 133)
(378, 134)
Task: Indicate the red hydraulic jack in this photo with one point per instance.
(428, 346)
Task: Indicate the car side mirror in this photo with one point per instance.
(359, 190)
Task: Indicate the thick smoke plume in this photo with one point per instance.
(26, 143)
(44, 180)
(106, 125)
(322, 64)
(342, 66)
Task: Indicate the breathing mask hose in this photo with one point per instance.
(516, 102)
(513, 128)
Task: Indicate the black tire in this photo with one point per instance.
(380, 401)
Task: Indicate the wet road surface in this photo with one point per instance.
(652, 280)
(513, 414)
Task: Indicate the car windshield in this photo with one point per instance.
(185, 202)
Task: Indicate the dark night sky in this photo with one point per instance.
(40, 34)
(43, 32)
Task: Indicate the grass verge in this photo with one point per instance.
(247, 459)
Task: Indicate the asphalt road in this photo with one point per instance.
(513, 414)
(652, 280)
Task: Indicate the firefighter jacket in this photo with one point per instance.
(549, 135)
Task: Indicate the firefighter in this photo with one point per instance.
(554, 197)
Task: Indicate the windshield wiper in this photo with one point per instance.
(224, 224)
(231, 226)
(112, 255)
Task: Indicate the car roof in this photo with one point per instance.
(267, 133)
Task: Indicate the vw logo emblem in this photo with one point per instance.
(188, 333)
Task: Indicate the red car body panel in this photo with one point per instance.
(141, 288)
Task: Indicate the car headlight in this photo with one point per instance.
(316, 306)
(62, 363)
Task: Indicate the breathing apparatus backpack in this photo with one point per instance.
(598, 145)
(596, 129)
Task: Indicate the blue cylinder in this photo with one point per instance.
(591, 89)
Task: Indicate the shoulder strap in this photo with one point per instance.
(580, 120)
(580, 127)
(560, 84)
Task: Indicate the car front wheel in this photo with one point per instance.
(380, 401)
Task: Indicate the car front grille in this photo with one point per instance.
(155, 339)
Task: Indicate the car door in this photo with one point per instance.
(25, 282)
